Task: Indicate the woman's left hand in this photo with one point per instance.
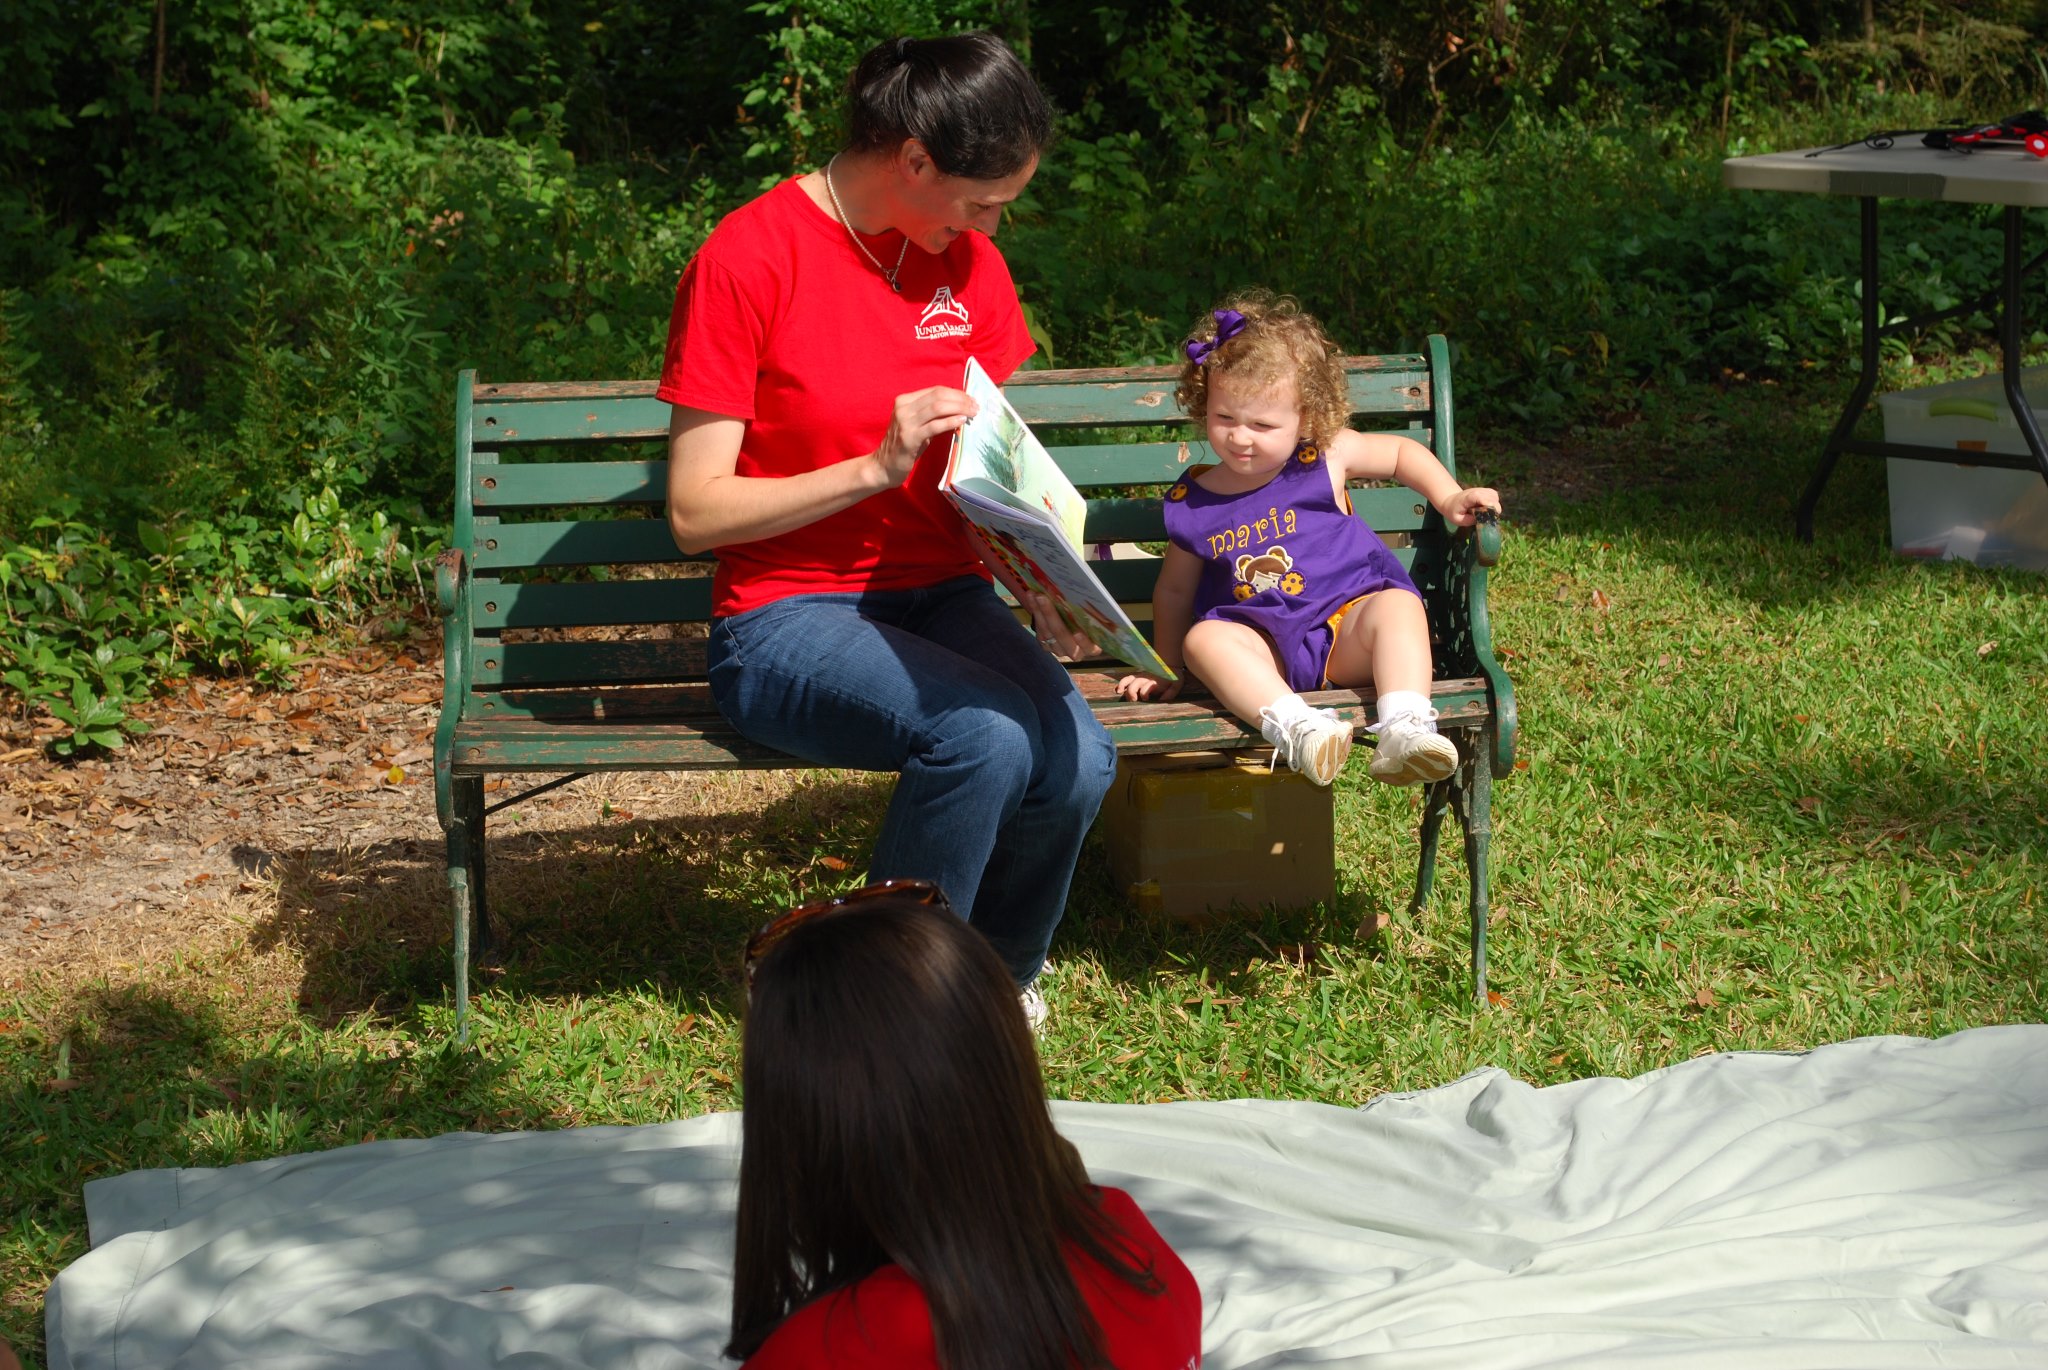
(1462, 509)
(1053, 634)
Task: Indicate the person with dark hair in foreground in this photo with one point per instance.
(904, 1199)
(815, 357)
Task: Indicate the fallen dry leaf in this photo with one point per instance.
(1987, 648)
(1705, 998)
(1601, 601)
(1808, 803)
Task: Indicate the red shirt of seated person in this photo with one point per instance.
(883, 1322)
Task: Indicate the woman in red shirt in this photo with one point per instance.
(904, 1200)
(815, 357)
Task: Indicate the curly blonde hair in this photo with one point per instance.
(1279, 342)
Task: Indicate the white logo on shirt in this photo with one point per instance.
(943, 308)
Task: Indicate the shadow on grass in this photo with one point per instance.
(666, 905)
(131, 1077)
(660, 903)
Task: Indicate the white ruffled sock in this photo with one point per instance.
(1411, 705)
(1276, 718)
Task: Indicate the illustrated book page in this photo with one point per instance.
(1029, 514)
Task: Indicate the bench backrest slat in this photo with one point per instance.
(535, 665)
(495, 605)
(583, 542)
(503, 416)
(525, 422)
(562, 484)
(1392, 385)
(1091, 466)
(1396, 510)
(498, 607)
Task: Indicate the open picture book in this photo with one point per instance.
(1007, 486)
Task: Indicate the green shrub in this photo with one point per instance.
(91, 627)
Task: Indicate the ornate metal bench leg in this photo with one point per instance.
(1435, 800)
(465, 885)
(469, 802)
(1475, 812)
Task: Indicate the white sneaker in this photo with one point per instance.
(1315, 743)
(1035, 1011)
(1411, 751)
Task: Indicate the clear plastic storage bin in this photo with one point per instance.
(1984, 514)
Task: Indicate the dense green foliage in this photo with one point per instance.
(245, 244)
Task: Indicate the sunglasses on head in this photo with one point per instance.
(775, 929)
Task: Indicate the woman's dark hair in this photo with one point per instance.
(894, 1112)
(966, 97)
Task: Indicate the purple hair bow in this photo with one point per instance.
(1229, 323)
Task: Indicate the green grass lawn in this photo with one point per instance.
(1774, 795)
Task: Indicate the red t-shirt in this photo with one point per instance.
(883, 1322)
(779, 320)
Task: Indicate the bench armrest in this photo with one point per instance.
(451, 589)
(1451, 573)
(1486, 541)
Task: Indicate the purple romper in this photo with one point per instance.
(1284, 559)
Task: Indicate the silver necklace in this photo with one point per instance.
(888, 272)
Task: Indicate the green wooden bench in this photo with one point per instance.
(554, 479)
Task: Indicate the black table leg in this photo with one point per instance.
(1859, 399)
(2009, 342)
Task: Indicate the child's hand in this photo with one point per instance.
(1135, 687)
(1462, 509)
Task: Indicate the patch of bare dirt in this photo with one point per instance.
(199, 808)
(279, 822)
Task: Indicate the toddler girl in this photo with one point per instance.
(1270, 584)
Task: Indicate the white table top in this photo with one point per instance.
(1906, 170)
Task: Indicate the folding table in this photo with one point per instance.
(1911, 171)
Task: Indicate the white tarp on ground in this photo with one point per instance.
(1877, 1203)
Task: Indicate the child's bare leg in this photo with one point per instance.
(1241, 669)
(1385, 640)
(1237, 663)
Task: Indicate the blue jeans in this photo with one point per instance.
(1000, 764)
